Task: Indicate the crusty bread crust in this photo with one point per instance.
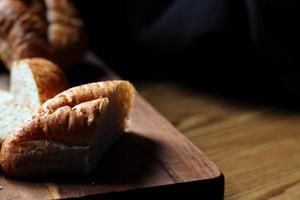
(70, 132)
(46, 138)
(71, 126)
(43, 28)
(122, 91)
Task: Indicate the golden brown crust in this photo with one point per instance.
(70, 126)
(110, 89)
(42, 28)
(86, 92)
(67, 125)
(59, 132)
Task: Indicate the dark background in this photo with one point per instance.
(244, 48)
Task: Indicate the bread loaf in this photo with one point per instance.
(71, 132)
(50, 29)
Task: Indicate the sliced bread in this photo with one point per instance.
(35, 80)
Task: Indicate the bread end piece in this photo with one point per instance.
(35, 80)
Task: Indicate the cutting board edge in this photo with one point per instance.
(212, 188)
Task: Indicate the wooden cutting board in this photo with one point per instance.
(153, 159)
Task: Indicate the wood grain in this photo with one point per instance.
(256, 147)
(152, 159)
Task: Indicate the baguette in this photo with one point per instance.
(70, 133)
(50, 29)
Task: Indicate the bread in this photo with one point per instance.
(70, 133)
(35, 80)
(11, 117)
(50, 29)
(5, 96)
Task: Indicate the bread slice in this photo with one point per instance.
(11, 117)
(35, 80)
(5, 96)
(71, 132)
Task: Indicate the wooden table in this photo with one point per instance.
(257, 148)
